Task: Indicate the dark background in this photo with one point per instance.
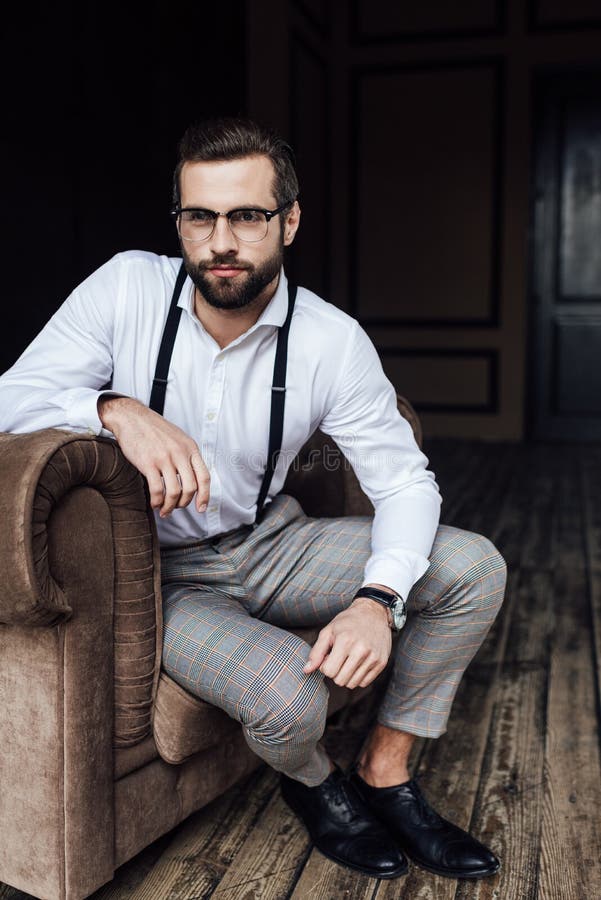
(450, 164)
(96, 97)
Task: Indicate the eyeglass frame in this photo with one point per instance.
(268, 213)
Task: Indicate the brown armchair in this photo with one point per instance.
(100, 751)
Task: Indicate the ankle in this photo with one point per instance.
(379, 776)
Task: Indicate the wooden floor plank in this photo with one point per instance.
(268, 863)
(507, 812)
(591, 500)
(449, 767)
(508, 809)
(322, 880)
(204, 845)
(10, 893)
(571, 848)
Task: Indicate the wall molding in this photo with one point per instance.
(490, 355)
(357, 75)
(357, 39)
(535, 26)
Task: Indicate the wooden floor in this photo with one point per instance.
(519, 764)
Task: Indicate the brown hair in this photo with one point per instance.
(235, 138)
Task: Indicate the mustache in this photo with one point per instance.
(204, 266)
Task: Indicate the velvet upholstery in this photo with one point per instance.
(100, 752)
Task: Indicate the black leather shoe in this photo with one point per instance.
(342, 827)
(427, 838)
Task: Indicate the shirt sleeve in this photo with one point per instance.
(378, 442)
(57, 381)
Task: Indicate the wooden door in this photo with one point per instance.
(565, 345)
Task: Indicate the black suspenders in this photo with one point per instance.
(161, 374)
(278, 387)
(278, 399)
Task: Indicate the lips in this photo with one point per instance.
(226, 271)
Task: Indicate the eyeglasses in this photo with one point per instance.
(247, 223)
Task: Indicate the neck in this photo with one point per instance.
(225, 325)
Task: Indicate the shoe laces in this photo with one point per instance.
(429, 815)
(339, 796)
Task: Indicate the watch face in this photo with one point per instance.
(399, 614)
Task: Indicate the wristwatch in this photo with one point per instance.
(395, 603)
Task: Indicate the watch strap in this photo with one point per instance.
(379, 596)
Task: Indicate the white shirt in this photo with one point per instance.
(113, 324)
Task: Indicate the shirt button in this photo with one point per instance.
(212, 509)
(210, 416)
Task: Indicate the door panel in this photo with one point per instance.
(566, 333)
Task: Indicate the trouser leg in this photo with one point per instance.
(253, 671)
(296, 571)
(451, 608)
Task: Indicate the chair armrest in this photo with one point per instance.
(36, 472)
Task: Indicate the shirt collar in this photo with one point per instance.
(274, 313)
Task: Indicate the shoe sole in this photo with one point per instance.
(385, 876)
(450, 873)
(347, 865)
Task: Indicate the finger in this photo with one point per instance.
(187, 481)
(371, 675)
(203, 480)
(319, 650)
(173, 490)
(156, 488)
(352, 664)
(337, 658)
(370, 669)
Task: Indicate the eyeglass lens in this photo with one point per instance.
(246, 224)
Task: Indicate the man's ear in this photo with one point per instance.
(291, 224)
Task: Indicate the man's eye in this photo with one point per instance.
(248, 216)
(198, 216)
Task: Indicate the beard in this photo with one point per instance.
(239, 291)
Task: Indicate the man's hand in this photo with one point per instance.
(169, 459)
(354, 648)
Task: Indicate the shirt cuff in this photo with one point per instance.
(82, 411)
(397, 572)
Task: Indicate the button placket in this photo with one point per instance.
(214, 397)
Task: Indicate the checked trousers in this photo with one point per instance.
(228, 600)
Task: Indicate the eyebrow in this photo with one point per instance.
(242, 206)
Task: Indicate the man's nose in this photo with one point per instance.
(223, 239)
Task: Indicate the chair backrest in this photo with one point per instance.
(323, 481)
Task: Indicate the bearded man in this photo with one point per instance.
(219, 371)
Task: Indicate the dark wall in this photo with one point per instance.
(95, 98)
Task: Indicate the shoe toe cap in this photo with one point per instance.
(471, 856)
(379, 858)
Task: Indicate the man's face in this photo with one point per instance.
(228, 272)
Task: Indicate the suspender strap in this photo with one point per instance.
(278, 398)
(159, 383)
